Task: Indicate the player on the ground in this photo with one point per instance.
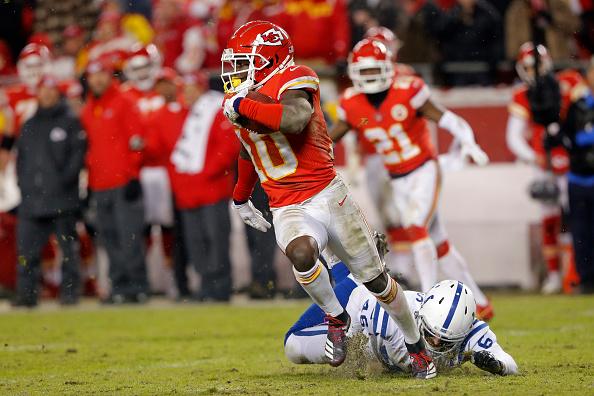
(524, 139)
(389, 111)
(313, 210)
(445, 316)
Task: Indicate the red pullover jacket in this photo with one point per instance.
(110, 121)
(217, 179)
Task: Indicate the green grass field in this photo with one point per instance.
(172, 349)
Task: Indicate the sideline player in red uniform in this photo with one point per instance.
(312, 208)
(524, 139)
(18, 103)
(141, 68)
(389, 111)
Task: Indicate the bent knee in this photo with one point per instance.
(303, 253)
(379, 284)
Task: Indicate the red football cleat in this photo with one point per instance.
(484, 312)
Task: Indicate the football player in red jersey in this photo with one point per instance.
(377, 177)
(34, 60)
(141, 69)
(524, 139)
(18, 103)
(312, 208)
(389, 111)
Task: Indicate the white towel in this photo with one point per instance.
(189, 154)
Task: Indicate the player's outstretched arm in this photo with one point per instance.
(338, 130)
(297, 111)
(458, 127)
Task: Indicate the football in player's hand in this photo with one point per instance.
(252, 125)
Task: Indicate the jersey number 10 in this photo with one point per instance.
(274, 153)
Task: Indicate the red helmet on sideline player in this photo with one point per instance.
(371, 55)
(142, 65)
(263, 47)
(34, 61)
(385, 36)
(525, 62)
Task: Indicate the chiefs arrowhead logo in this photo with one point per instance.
(272, 37)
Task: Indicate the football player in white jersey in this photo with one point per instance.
(445, 316)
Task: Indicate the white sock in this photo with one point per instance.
(316, 282)
(425, 255)
(394, 302)
(454, 267)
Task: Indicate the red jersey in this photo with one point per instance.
(110, 121)
(292, 167)
(217, 179)
(22, 101)
(148, 102)
(520, 107)
(396, 131)
(327, 34)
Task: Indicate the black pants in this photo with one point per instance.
(180, 256)
(206, 231)
(581, 205)
(120, 225)
(32, 235)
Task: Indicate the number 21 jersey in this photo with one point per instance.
(396, 130)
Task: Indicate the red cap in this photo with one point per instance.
(198, 77)
(98, 65)
(48, 80)
(72, 31)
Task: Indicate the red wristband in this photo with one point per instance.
(246, 180)
(266, 114)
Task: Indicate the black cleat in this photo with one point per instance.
(336, 343)
(423, 366)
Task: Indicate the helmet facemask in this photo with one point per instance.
(241, 77)
(31, 69)
(371, 83)
(525, 65)
(447, 347)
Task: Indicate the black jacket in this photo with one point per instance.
(579, 119)
(51, 153)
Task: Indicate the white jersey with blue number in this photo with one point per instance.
(386, 340)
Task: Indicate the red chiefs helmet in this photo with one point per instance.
(142, 65)
(525, 62)
(34, 61)
(370, 66)
(385, 36)
(263, 47)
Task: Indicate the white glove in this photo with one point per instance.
(472, 150)
(229, 107)
(252, 216)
